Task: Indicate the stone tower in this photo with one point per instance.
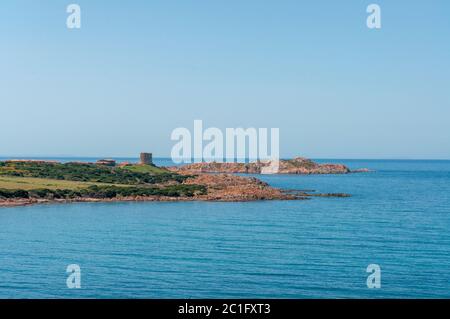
(146, 158)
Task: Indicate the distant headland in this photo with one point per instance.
(27, 182)
(298, 165)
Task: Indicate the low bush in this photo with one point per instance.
(105, 192)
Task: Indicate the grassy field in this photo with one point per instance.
(50, 180)
(29, 183)
(150, 169)
(41, 188)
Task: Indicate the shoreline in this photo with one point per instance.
(31, 202)
(286, 197)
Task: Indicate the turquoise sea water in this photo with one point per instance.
(398, 217)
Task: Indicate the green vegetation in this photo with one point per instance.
(303, 163)
(95, 191)
(84, 172)
(150, 169)
(45, 180)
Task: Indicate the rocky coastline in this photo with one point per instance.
(298, 165)
(192, 182)
(221, 188)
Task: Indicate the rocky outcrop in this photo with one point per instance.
(298, 165)
(227, 187)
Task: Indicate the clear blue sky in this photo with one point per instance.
(138, 69)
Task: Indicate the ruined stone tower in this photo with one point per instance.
(146, 158)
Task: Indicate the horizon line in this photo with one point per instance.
(168, 157)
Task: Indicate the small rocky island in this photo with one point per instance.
(26, 182)
(298, 165)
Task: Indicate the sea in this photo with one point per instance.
(397, 218)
